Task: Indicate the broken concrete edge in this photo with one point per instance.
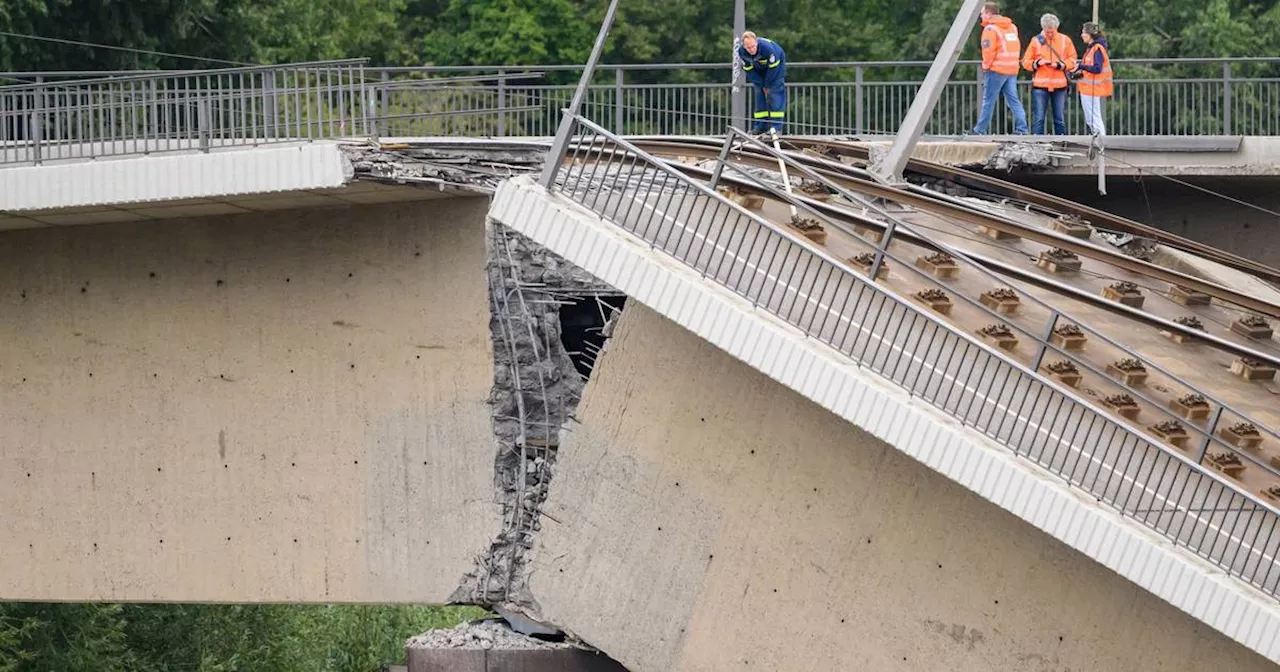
(984, 154)
(536, 389)
(475, 168)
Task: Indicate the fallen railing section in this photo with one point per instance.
(1089, 448)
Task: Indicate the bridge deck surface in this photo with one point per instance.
(1200, 365)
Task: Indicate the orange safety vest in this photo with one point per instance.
(1046, 77)
(1000, 46)
(1100, 84)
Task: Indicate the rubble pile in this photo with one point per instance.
(480, 635)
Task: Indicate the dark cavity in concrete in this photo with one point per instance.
(582, 324)
(537, 385)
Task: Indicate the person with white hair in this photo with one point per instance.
(1049, 56)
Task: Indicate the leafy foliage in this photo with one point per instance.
(211, 638)
(504, 32)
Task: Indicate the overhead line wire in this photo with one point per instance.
(132, 50)
(1206, 190)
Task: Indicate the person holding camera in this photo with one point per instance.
(1094, 75)
(1049, 56)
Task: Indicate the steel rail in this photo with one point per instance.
(1047, 202)
(940, 204)
(1057, 204)
(829, 210)
(699, 147)
(836, 212)
(1056, 313)
(1051, 203)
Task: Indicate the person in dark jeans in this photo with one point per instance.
(1000, 47)
(1049, 56)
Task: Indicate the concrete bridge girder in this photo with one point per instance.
(264, 407)
(728, 529)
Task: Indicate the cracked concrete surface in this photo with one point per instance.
(535, 390)
(463, 166)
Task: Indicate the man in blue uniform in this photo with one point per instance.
(766, 67)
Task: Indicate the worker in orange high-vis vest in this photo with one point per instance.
(1049, 56)
(1000, 48)
(1094, 72)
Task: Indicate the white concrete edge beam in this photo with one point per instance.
(251, 170)
(927, 434)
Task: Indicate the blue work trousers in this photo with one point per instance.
(770, 110)
(994, 85)
(1042, 98)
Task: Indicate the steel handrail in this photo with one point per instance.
(1225, 487)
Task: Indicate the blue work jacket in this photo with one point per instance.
(768, 68)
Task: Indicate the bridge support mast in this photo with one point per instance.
(738, 111)
(565, 131)
(890, 168)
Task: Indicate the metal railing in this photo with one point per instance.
(1070, 436)
(1153, 97)
(141, 114)
(63, 115)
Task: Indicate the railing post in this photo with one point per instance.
(982, 84)
(202, 120)
(36, 128)
(1226, 97)
(502, 103)
(890, 166)
(360, 91)
(568, 122)
(154, 120)
(1208, 434)
(269, 105)
(737, 90)
(881, 247)
(619, 120)
(1044, 341)
(858, 119)
(384, 116)
(724, 156)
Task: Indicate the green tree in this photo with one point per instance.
(508, 32)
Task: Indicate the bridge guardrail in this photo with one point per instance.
(1015, 406)
(1182, 97)
(64, 115)
(141, 114)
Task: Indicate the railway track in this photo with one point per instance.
(849, 220)
(1049, 202)
(860, 181)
